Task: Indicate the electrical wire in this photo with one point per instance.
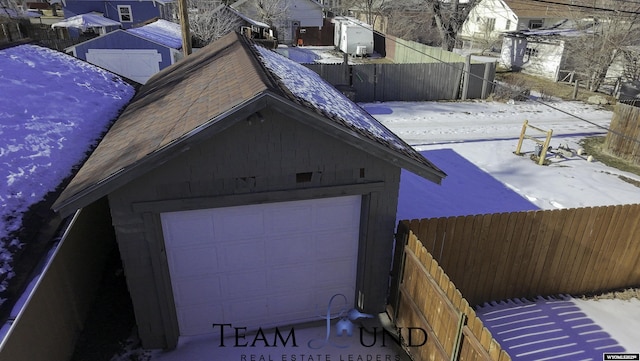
(496, 84)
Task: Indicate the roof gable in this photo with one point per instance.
(557, 9)
(207, 92)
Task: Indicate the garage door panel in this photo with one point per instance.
(241, 255)
(244, 284)
(271, 264)
(193, 320)
(237, 224)
(198, 291)
(336, 215)
(334, 243)
(245, 312)
(292, 304)
(194, 261)
(291, 218)
(334, 271)
(198, 226)
(297, 248)
(289, 278)
(135, 64)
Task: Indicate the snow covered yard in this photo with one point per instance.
(473, 142)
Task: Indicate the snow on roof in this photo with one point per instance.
(162, 32)
(58, 108)
(85, 21)
(310, 87)
(248, 19)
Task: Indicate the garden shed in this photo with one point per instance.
(244, 189)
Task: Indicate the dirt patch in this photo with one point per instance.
(549, 89)
(595, 146)
(623, 294)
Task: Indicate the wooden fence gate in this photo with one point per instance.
(424, 297)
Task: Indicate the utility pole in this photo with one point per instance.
(184, 26)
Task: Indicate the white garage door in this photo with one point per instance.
(261, 265)
(136, 64)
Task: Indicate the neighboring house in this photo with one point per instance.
(126, 12)
(244, 189)
(136, 53)
(489, 19)
(298, 14)
(533, 52)
(537, 52)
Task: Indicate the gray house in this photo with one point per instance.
(244, 189)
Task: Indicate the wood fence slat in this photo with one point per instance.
(576, 252)
(502, 246)
(630, 261)
(615, 249)
(558, 259)
(600, 229)
(487, 271)
(544, 235)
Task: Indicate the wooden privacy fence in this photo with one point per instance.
(426, 298)
(623, 139)
(525, 254)
(408, 82)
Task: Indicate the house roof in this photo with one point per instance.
(248, 19)
(162, 32)
(85, 21)
(556, 9)
(210, 90)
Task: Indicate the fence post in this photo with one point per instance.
(457, 346)
(522, 132)
(401, 237)
(575, 90)
(465, 77)
(485, 80)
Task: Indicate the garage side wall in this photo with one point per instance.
(258, 160)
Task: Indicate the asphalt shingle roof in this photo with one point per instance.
(186, 97)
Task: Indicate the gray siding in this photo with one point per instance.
(253, 161)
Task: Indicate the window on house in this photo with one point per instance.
(124, 12)
(535, 24)
(506, 27)
(491, 24)
(531, 52)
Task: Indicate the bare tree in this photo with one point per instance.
(449, 18)
(272, 12)
(609, 33)
(209, 22)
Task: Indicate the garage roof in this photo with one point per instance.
(210, 90)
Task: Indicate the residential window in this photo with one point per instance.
(531, 52)
(506, 27)
(491, 24)
(124, 12)
(535, 24)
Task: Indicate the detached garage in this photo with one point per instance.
(246, 190)
(137, 53)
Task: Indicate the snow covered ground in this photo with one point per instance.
(473, 142)
(53, 108)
